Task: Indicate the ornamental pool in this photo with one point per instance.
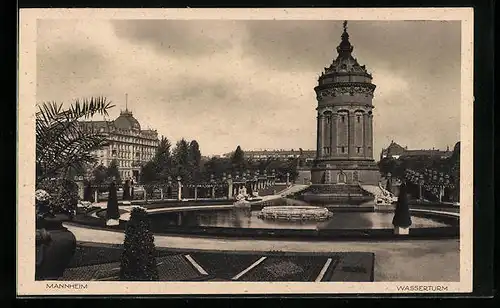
(246, 218)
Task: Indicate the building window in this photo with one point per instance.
(113, 152)
(343, 119)
(328, 120)
(359, 150)
(359, 119)
(343, 149)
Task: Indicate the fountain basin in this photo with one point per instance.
(295, 213)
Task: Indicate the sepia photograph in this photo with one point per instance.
(229, 151)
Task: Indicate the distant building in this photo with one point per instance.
(306, 155)
(127, 143)
(396, 151)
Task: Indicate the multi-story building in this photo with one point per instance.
(127, 143)
(396, 151)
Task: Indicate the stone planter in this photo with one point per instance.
(401, 231)
(55, 247)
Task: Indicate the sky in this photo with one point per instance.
(251, 83)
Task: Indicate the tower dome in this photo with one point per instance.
(126, 120)
(345, 68)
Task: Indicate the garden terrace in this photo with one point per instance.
(102, 263)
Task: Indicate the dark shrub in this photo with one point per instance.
(402, 216)
(112, 205)
(138, 262)
(126, 190)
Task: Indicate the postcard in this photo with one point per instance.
(245, 151)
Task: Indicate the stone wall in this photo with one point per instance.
(347, 176)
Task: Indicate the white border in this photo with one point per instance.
(26, 150)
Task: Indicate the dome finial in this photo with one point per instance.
(345, 48)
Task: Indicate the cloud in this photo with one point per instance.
(178, 38)
(251, 83)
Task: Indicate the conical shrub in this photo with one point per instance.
(402, 217)
(138, 262)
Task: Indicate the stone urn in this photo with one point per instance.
(55, 247)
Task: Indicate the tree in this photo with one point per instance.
(61, 141)
(163, 159)
(238, 159)
(181, 160)
(216, 166)
(148, 172)
(387, 165)
(454, 167)
(138, 262)
(112, 171)
(194, 159)
(99, 175)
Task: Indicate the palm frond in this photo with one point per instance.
(62, 142)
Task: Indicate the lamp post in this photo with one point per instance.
(287, 178)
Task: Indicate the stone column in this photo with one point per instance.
(287, 178)
(318, 136)
(370, 135)
(179, 190)
(212, 193)
(230, 187)
(324, 134)
(351, 148)
(365, 135)
(161, 193)
(96, 195)
(333, 134)
(195, 192)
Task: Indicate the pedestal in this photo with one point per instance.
(401, 231)
(112, 222)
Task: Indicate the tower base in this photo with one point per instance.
(365, 172)
(339, 182)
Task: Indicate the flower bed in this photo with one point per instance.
(224, 266)
(286, 269)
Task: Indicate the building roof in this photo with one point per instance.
(393, 149)
(426, 153)
(345, 63)
(126, 120)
